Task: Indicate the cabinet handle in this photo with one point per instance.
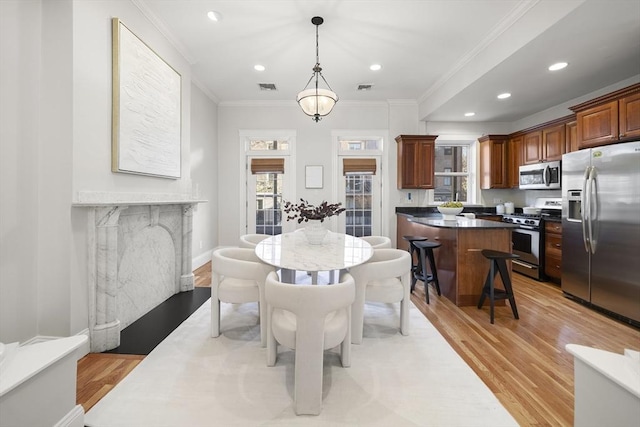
(557, 245)
(622, 135)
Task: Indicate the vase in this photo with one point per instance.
(315, 232)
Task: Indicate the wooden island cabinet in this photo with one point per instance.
(462, 269)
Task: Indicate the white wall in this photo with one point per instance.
(313, 148)
(56, 141)
(20, 45)
(204, 177)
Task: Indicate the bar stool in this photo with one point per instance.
(498, 264)
(413, 250)
(426, 252)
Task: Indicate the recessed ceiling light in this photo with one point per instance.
(469, 114)
(504, 95)
(258, 67)
(375, 67)
(557, 66)
(215, 16)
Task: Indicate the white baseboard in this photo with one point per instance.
(74, 418)
(201, 260)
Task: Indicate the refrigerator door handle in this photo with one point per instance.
(584, 212)
(593, 209)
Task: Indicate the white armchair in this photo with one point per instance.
(378, 242)
(309, 319)
(384, 278)
(237, 276)
(250, 241)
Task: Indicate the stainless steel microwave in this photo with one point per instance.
(540, 176)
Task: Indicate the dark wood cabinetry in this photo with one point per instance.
(609, 119)
(571, 137)
(553, 250)
(493, 161)
(514, 152)
(553, 142)
(416, 161)
(532, 147)
(629, 115)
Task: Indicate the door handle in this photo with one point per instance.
(522, 264)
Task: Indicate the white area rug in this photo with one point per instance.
(194, 380)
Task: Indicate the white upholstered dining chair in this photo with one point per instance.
(250, 241)
(237, 276)
(309, 319)
(384, 278)
(377, 242)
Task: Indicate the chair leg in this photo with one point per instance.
(272, 344)
(434, 272)
(506, 281)
(492, 298)
(424, 274)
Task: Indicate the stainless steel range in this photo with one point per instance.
(528, 241)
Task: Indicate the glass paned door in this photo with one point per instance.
(358, 204)
(267, 215)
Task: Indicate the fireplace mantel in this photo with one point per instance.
(139, 254)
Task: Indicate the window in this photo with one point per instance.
(455, 167)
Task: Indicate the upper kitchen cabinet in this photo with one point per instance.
(514, 151)
(532, 147)
(571, 137)
(416, 161)
(545, 142)
(609, 119)
(493, 162)
(553, 142)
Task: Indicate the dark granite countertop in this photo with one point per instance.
(461, 223)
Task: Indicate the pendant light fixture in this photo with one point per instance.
(315, 101)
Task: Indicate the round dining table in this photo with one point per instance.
(292, 252)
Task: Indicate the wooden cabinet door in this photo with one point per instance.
(553, 143)
(630, 116)
(571, 137)
(407, 153)
(515, 160)
(532, 147)
(416, 161)
(598, 125)
(426, 164)
(493, 162)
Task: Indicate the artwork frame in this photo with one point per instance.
(313, 176)
(146, 134)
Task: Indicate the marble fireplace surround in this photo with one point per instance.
(139, 254)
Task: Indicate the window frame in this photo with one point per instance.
(473, 191)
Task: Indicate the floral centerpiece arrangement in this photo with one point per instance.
(304, 211)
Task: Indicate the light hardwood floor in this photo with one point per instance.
(524, 362)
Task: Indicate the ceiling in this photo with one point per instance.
(450, 56)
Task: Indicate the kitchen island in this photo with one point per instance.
(462, 269)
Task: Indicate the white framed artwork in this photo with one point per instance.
(313, 177)
(146, 113)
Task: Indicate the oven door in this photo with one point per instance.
(526, 243)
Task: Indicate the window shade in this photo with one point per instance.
(267, 166)
(361, 166)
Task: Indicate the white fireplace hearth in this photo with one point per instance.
(139, 254)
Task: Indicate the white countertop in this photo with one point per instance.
(622, 369)
(29, 360)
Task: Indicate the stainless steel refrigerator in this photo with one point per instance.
(601, 227)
